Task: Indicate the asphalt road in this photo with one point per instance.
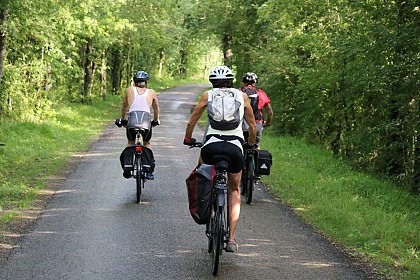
(93, 229)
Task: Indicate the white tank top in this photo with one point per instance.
(140, 102)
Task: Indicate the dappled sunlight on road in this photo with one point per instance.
(317, 264)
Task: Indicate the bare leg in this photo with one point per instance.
(234, 180)
(130, 143)
(147, 144)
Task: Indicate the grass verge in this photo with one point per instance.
(32, 152)
(373, 218)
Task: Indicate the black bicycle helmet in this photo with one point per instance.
(140, 76)
(250, 78)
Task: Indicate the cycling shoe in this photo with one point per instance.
(127, 174)
(232, 246)
(149, 176)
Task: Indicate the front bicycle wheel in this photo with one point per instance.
(243, 181)
(217, 235)
(139, 179)
(249, 188)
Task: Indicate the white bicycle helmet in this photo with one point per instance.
(221, 73)
(250, 78)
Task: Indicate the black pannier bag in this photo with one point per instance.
(127, 159)
(200, 187)
(263, 162)
(147, 158)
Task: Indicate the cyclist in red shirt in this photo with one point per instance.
(259, 101)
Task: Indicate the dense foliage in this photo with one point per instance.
(341, 74)
(78, 50)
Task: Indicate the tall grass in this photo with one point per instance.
(374, 218)
(31, 152)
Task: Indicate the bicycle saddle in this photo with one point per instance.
(138, 129)
(221, 162)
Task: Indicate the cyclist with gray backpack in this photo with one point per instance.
(227, 107)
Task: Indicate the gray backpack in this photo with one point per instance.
(223, 109)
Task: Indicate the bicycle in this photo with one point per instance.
(248, 175)
(217, 229)
(139, 173)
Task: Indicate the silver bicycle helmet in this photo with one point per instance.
(140, 76)
(221, 73)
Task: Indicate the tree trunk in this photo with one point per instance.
(103, 76)
(89, 67)
(161, 57)
(3, 18)
(116, 70)
(183, 61)
(227, 50)
(4, 14)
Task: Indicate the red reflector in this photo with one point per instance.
(139, 148)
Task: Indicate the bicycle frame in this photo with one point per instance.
(217, 229)
(138, 165)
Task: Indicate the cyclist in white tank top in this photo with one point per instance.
(140, 101)
(136, 105)
(135, 109)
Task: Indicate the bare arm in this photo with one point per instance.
(196, 114)
(249, 117)
(124, 105)
(155, 106)
(269, 111)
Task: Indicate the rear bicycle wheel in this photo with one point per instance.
(217, 235)
(249, 180)
(209, 232)
(139, 179)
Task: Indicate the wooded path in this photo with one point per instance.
(93, 229)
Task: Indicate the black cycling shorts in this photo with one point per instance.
(226, 148)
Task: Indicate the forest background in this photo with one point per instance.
(342, 75)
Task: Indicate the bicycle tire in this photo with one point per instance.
(209, 231)
(249, 179)
(244, 178)
(243, 182)
(217, 240)
(139, 180)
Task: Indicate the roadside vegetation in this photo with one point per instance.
(370, 217)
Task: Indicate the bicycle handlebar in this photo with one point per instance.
(196, 144)
(120, 122)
